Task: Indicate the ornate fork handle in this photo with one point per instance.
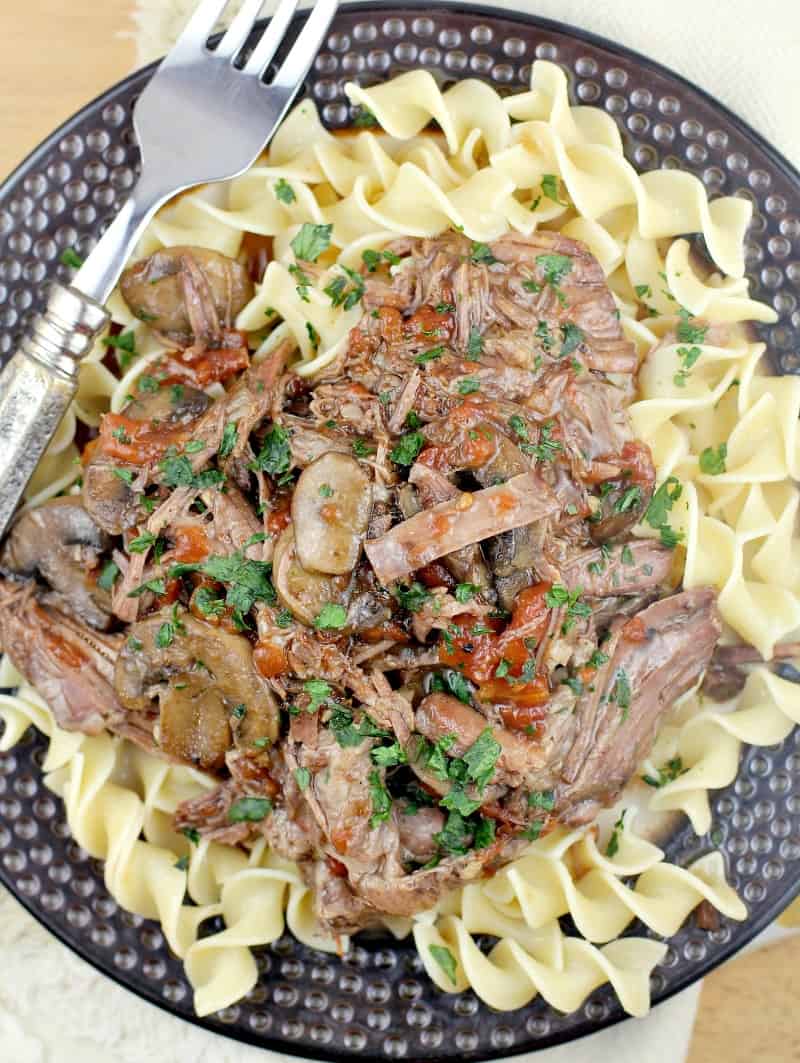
(38, 384)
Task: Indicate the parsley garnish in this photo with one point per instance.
(70, 257)
(302, 776)
(550, 188)
(687, 332)
(671, 770)
(389, 756)
(407, 448)
(555, 268)
(249, 810)
(125, 345)
(207, 602)
(284, 191)
(429, 356)
(484, 834)
(275, 456)
(660, 505)
(481, 758)
(311, 241)
(481, 255)
(362, 449)
(229, 437)
(338, 292)
(465, 591)
(364, 118)
(446, 961)
(688, 356)
(572, 337)
(474, 345)
(411, 597)
(108, 576)
(330, 617)
(621, 692)
(126, 475)
(468, 385)
(712, 462)
(613, 842)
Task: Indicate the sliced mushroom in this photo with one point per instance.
(188, 294)
(205, 682)
(304, 592)
(60, 541)
(330, 511)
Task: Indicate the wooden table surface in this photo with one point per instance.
(57, 54)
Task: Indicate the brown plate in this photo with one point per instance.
(377, 1002)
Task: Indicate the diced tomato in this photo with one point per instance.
(280, 516)
(172, 592)
(389, 630)
(270, 659)
(637, 461)
(136, 442)
(191, 543)
(525, 716)
(213, 367)
(336, 867)
(635, 630)
(427, 324)
(478, 656)
(435, 575)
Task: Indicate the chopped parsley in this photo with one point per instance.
(559, 595)
(484, 834)
(481, 255)
(275, 456)
(630, 498)
(644, 291)
(660, 506)
(155, 586)
(147, 383)
(544, 799)
(712, 462)
(125, 346)
(544, 335)
(389, 756)
(207, 602)
(550, 188)
(108, 576)
(248, 581)
(481, 758)
(412, 596)
(613, 842)
(313, 335)
(446, 961)
(182, 863)
(229, 437)
(429, 356)
(347, 733)
(364, 118)
(454, 837)
(453, 682)
(381, 799)
(372, 259)
(445, 308)
(70, 257)
(687, 332)
(468, 385)
(284, 191)
(627, 557)
(474, 345)
(284, 618)
(547, 447)
(518, 427)
(339, 293)
(249, 810)
(362, 449)
(407, 448)
(572, 337)
(311, 241)
(466, 591)
(192, 834)
(330, 617)
(621, 692)
(687, 356)
(555, 268)
(671, 770)
(126, 475)
(302, 776)
(597, 659)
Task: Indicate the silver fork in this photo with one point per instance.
(200, 119)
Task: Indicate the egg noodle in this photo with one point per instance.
(726, 433)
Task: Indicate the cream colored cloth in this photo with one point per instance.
(56, 1009)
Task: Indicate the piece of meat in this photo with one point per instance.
(725, 677)
(619, 570)
(71, 666)
(520, 757)
(655, 657)
(452, 525)
(61, 543)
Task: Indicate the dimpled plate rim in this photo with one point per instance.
(368, 1028)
